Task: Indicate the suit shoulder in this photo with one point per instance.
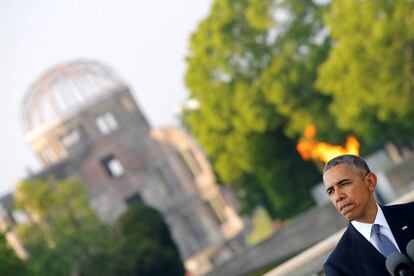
(334, 263)
(404, 206)
(341, 249)
(340, 261)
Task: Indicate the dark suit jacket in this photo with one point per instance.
(355, 255)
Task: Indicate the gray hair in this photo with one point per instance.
(355, 161)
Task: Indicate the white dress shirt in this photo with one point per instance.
(366, 228)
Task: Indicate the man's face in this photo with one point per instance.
(351, 192)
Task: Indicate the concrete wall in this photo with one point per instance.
(401, 176)
(303, 232)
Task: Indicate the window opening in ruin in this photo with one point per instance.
(106, 123)
(134, 198)
(215, 211)
(70, 139)
(191, 162)
(113, 166)
(183, 163)
(48, 155)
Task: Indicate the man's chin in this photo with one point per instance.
(349, 216)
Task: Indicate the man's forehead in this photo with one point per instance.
(336, 173)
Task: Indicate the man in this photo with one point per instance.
(374, 231)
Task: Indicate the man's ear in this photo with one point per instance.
(371, 179)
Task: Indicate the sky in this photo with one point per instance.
(144, 42)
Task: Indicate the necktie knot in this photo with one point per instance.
(376, 229)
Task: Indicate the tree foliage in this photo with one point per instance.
(61, 231)
(370, 71)
(264, 70)
(64, 237)
(10, 264)
(261, 227)
(147, 243)
(252, 66)
(140, 245)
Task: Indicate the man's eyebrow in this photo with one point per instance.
(342, 181)
(337, 183)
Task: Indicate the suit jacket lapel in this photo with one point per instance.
(366, 256)
(361, 244)
(397, 222)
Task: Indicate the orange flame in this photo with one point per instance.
(309, 148)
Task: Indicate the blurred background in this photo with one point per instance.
(188, 137)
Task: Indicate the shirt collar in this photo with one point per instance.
(365, 228)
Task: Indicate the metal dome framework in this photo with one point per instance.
(67, 89)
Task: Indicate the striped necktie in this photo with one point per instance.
(385, 245)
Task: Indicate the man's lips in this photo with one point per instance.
(344, 208)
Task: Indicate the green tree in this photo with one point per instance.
(370, 71)
(261, 227)
(148, 244)
(64, 237)
(62, 232)
(143, 246)
(10, 264)
(252, 66)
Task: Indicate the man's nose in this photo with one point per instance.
(338, 195)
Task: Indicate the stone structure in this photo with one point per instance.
(81, 121)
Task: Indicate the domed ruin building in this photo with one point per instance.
(80, 120)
